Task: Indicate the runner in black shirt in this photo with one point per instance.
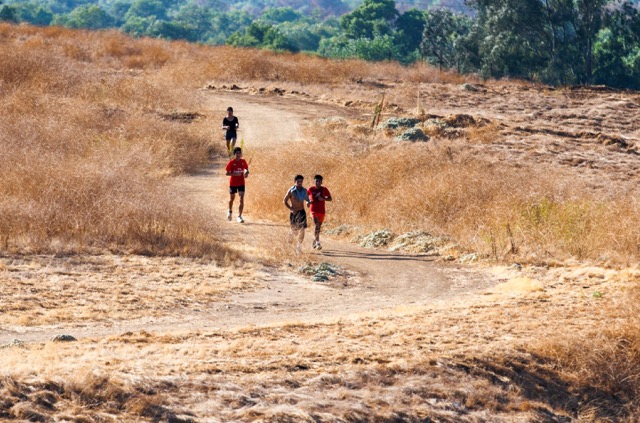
(230, 124)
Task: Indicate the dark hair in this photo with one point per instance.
(298, 177)
(237, 150)
(319, 177)
(229, 109)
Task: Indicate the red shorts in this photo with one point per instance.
(318, 216)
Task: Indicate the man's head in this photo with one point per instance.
(317, 180)
(237, 152)
(298, 179)
(229, 110)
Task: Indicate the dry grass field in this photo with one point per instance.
(519, 304)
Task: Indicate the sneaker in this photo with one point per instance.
(318, 246)
(313, 245)
(240, 219)
(229, 215)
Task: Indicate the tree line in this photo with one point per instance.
(558, 42)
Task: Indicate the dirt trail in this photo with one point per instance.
(378, 279)
(372, 280)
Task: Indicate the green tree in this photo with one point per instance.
(372, 18)
(171, 30)
(280, 14)
(274, 39)
(137, 26)
(440, 32)
(65, 6)
(147, 9)
(373, 49)
(86, 16)
(408, 31)
(33, 12)
(197, 19)
(8, 13)
(306, 36)
(513, 43)
(118, 9)
(251, 36)
(226, 24)
(616, 48)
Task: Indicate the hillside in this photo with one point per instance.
(487, 272)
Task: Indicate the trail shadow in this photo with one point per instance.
(267, 224)
(537, 381)
(376, 256)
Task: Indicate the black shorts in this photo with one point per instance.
(233, 190)
(230, 136)
(298, 219)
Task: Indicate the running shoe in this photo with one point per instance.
(229, 215)
(313, 245)
(318, 246)
(240, 219)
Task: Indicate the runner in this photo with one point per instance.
(230, 124)
(318, 195)
(238, 169)
(294, 200)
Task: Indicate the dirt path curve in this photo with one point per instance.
(380, 279)
(375, 280)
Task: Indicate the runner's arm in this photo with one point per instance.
(285, 200)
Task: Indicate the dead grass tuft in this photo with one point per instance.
(605, 365)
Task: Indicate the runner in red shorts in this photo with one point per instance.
(238, 170)
(318, 195)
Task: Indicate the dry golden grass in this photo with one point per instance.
(492, 208)
(91, 122)
(85, 151)
(85, 289)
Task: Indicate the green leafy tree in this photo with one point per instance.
(118, 9)
(306, 36)
(33, 12)
(86, 16)
(373, 49)
(171, 30)
(588, 23)
(274, 39)
(197, 19)
(8, 13)
(617, 46)
(137, 26)
(251, 36)
(65, 6)
(513, 43)
(226, 24)
(280, 14)
(147, 9)
(441, 30)
(372, 18)
(408, 31)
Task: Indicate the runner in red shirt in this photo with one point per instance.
(318, 195)
(238, 169)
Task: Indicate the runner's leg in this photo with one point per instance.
(318, 225)
(241, 206)
(231, 198)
